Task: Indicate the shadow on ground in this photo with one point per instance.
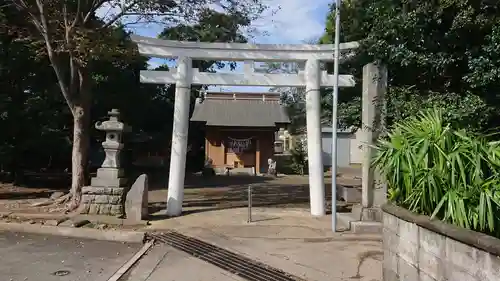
(46, 180)
(17, 195)
(33, 185)
(198, 181)
(268, 194)
(201, 193)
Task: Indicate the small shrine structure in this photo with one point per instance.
(240, 129)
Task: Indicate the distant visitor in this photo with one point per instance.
(271, 170)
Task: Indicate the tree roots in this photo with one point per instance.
(70, 203)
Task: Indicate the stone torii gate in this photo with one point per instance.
(313, 78)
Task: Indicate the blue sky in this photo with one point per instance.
(294, 22)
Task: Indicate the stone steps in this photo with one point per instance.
(362, 221)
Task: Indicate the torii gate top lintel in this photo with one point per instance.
(242, 52)
(312, 78)
(237, 51)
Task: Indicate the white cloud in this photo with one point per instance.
(286, 22)
(293, 23)
(296, 21)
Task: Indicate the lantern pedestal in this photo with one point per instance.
(106, 193)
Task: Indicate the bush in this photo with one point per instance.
(435, 170)
(298, 158)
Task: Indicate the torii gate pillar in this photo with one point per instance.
(314, 147)
(179, 137)
(313, 78)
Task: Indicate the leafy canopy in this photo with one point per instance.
(437, 53)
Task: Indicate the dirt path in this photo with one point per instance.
(219, 192)
(232, 192)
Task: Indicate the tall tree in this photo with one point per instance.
(212, 26)
(27, 87)
(292, 98)
(73, 37)
(441, 53)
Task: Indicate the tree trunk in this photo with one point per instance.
(79, 160)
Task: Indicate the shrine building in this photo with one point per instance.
(240, 128)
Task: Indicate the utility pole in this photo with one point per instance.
(335, 96)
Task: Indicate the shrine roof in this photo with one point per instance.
(245, 111)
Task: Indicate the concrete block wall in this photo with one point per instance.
(417, 249)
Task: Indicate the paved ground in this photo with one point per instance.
(285, 237)
(36, 258)
(290, 240)
(164, 263)
(340, 259)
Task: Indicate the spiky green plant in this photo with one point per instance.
(436, 170)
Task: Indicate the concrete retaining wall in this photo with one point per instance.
(416, 248)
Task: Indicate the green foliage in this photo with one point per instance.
(36, 123)
(211, 27)
(437, 52)
(293, 99)
(298, 159)
(435, 170)
(461, 111)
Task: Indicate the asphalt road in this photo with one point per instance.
(27, 257)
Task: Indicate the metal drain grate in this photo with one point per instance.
(229, 261)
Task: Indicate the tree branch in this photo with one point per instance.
(52, 56)
(96, 4)
(65, 18)
(149, 14)
(22, 6)
(139, 21)
(77, 14)
(120, 14)
(6, 5)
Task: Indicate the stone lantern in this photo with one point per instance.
(105, 195)
(112, 145)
